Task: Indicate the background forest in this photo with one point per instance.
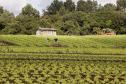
(84, 18)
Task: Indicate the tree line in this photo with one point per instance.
(84, 18)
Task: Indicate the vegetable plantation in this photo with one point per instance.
(62, 59)
(62, 72)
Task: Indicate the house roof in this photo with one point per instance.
(47, 29)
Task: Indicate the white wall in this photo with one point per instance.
(46, 33)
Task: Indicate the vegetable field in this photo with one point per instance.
(62, 72)
(62, 59)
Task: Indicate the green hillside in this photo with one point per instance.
(64, 41)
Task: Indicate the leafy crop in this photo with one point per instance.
(70, 72)
(71, 57)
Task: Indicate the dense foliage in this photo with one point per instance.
(85, 17)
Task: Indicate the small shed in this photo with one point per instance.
(108, 31)
(46, 31)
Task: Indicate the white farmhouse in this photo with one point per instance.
(46, 31)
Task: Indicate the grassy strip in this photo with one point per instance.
(54, 50)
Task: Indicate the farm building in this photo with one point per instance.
(108, 31)
(46, 31)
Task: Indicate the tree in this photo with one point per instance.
(69, 5)
(28, 24)
(28, 20)
(45, 23)
(81, 5)
(62, 11)
(5, 19)
(55, 6)
(1, 10)
(12, 28)
(109, 7)
(121, 4)
(87, 6)
(91, 5)
(30, 11)
(70, 28)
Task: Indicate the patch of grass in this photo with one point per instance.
(95, 45)
(118, 41)
(62, 50)
(5, 43)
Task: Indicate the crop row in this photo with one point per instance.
(71, 57)
(55, 50)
